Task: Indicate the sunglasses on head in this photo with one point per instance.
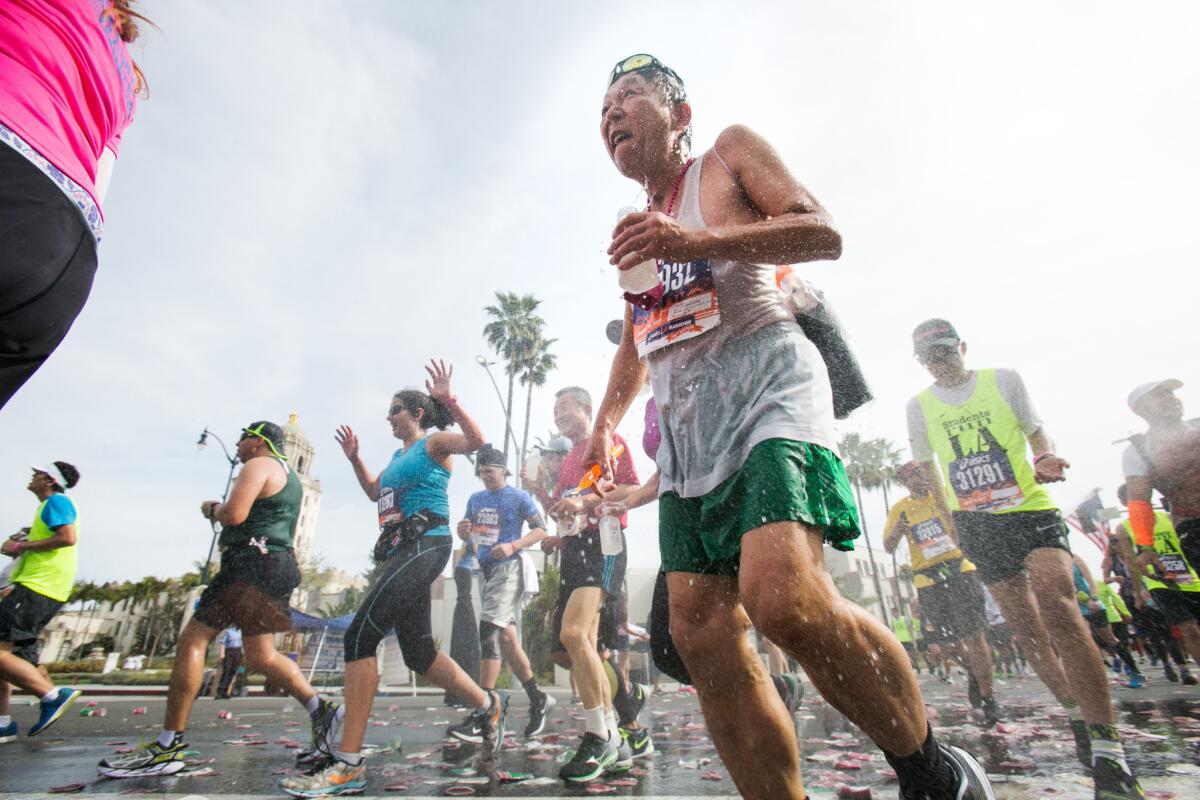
(636, 63)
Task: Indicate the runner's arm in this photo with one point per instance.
(64, 536)
(346, 439)
(537, 532)
(793, 225)
(1141, 514)
(1047, 467)
(893, 535)
(246, 489)
(443, 445)
(624, 380)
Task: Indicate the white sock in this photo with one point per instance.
(610, 719)
(50, 695)
(166, 738)
(312, 704)
(5, 720)
(488, 705)
(594, 722)
(353, 759)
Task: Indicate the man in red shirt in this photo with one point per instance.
(588, 577)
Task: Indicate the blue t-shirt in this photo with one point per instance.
(59, 510)
(230, 637)
(411, 482)
(498, 517)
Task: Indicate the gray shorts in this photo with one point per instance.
(500, 591)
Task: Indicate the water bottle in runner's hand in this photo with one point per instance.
(641, 278)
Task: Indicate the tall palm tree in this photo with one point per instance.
(512, 320)
(536, 369)
(864, 467)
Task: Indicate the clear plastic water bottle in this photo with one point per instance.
(641, 278)
(610, 535)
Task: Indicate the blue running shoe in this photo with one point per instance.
(8, 732)
(1136, 681)
(53, 709)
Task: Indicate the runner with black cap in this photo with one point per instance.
(750, 485)
(41, 582)
(949, 593)
(974, 428)
(493, 524)
(251, 590)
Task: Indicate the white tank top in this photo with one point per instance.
(753, 377)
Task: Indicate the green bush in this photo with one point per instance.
(144, 677)
(90, 666)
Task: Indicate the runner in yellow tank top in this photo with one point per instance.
(948, 591)
(976, 428)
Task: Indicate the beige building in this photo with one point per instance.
(299, 451)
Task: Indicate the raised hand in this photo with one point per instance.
(348, 441)
(438, 384)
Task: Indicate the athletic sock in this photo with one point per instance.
(925, 772)
(1106, 744)
(531, 689)
(312, 705)
(353, 759)
(594, 721)
(5, 720)
(610, 719)
(167, 738)
(50, 695)
(488, 705)
(1073, 711)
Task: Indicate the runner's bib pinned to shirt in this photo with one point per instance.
(389, 512)
(485, 528)
(984, 480)
(1176, 567)
(688, 308)
(932, 538)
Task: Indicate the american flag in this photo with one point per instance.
(1088, 520)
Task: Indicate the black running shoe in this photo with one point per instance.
(1170, 674)
(153, 759)
(494, 720)
(629, 706)
(1114, 782)
(470, 730)
(1083, 742)
(591, 759)
(1187, 677)
(974, 697)
(539, 712)
(973, 783)
(639, 741)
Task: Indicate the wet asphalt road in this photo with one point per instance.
(1031, 753)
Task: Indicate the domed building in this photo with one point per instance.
(299, 451)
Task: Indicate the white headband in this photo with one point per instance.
(54, 472)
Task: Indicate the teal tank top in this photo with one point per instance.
(413, 481)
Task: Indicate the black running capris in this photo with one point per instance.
(400, 600)
(47, 263)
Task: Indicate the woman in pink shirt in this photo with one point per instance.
(67, 91)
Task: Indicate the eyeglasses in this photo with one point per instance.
(935, 353)
(636, 63)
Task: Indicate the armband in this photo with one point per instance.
(1141, 520)
(1042, 457)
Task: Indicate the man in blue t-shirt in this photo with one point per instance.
(493, 524)
(230, 653)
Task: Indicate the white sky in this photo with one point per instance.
(314, 201)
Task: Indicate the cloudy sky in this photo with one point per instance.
(318, 197)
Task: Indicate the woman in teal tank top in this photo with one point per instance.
(411, 487)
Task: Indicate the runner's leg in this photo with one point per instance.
(261, 656)
(1029, 633)
(187, 672)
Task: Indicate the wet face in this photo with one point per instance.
(572, 419)
(492, 476)
(943, 360)
(636, 125)
(403, 423)
(1161, 404)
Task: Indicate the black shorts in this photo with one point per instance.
(583, 566)
(47, 263)
(252, 590)
(954, 607)
(23, 614)
(1097, 621)
(1176, 605)
(998, 544)
(1188, 532)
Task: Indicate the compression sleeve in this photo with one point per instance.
(1141, 520)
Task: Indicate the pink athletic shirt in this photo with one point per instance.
(67, 85)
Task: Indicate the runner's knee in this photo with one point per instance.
(362, 639)
(489, 640)
(575, 635)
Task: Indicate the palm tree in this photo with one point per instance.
(536, 369)
(864, 460)
(512, 321)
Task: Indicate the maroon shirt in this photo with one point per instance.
(571, 473)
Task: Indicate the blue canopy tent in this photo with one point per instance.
(322, 653)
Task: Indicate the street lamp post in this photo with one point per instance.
(483, 362)
(233, 462)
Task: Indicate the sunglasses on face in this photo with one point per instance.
(394, 410)
(936, 353)
(636, 63)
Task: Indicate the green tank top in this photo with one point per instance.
(271, 521)
(1166, 544)
(980, 448)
